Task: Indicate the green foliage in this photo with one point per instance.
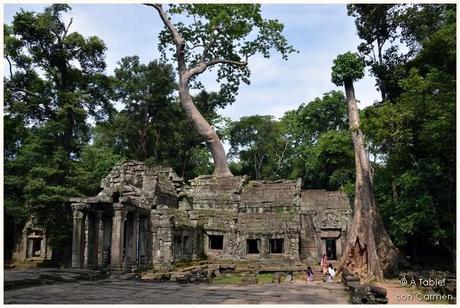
(321, 151)
(347, 67)
(415, 135)
(232, 32)
(305, 124)
(393, 34)
(55, 83)
(330, 162)
(152, 126)
(259, 144)
(94, 164)
(376, 25)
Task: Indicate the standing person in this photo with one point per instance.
(324, 264)
(309, 274)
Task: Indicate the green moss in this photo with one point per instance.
(205, 214)
(181, 217)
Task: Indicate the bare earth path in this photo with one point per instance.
(137, 292)
(400, 295)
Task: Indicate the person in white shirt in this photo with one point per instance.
(331, 271)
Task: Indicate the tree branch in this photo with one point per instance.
(28, 92)
(225, 61)
(202, 66)
(10, 66)
(178, 40)
(66, 30)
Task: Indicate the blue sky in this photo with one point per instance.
(320, 32)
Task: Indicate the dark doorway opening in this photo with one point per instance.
(253, 246)
(276, 245)
(35, 249)
(216, 242)
(331, 251)
(186, 245)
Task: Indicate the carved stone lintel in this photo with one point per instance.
(79, 206)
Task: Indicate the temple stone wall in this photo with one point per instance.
(147, 215)
(328, 215)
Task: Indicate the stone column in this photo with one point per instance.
(135, 242)
(77, 236)
(118, 230)
(30, 249)
(162, 229)
(86, 242)
(99, 243)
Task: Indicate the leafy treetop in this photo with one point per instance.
(347, 67)
(223, 35)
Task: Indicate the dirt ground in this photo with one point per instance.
(402, 295)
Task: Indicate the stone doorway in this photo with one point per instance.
(34, 247)
(35, 244)
(331, 249)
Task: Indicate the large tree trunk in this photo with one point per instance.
(194, 116)
(370, 252)
(205, 130)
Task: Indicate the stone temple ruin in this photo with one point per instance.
(33, 244)
(147, 216)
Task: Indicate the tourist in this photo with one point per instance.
(327, 278)
(331, 271)
(324, 264)
(309, 274)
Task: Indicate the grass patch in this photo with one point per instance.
(231, 279)
(236, 279)
(265, 278)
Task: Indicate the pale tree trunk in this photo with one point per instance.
(205, 130)
(194, 116)
(369, 252)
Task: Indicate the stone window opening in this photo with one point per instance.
(216, 242)
(116, 197)
(276, 245)
(253, 246)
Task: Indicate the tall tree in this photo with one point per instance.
(147, 93)
(376, 24)
(415, 136)
(55, 83)
(370, 252)
(218, 35)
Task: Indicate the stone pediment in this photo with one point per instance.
(332, 219)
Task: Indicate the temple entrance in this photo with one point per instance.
(331, 250)
(34, 239)
(34, 247)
